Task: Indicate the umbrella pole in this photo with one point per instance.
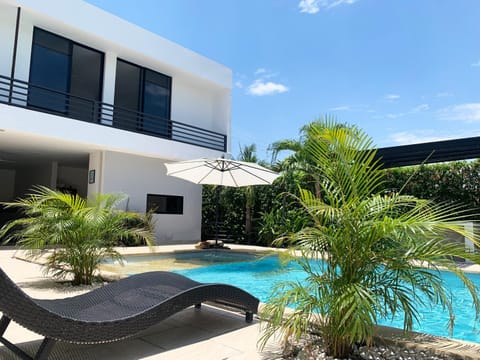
(217, 200)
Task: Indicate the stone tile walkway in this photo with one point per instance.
(207, 333)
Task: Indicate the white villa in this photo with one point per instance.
(92, 103)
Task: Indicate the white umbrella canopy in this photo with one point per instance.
(221, 171)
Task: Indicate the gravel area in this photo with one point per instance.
(311, 348)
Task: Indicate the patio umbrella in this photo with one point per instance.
(223, 172)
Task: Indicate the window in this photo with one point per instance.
(65, 77)
(142, 99)
(49, 69)
(165, 204)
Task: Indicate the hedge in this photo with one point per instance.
(275, 213)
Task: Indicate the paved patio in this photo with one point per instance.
(208, 333)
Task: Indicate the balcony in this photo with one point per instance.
(26, 95)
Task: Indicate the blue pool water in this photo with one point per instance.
(258, 277)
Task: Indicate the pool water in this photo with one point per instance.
(134, 264)
(258, 277)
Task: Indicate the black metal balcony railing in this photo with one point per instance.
(26, 95)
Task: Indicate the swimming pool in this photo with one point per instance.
(134, 264)
(259, 276)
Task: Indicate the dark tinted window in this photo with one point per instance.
(49, 71)
(60, 68)
(156, 101)
(165, 204)
(51, 41)
(145, 91)
(127, 86)
(86, 73)
(85, 82)
(127, 95)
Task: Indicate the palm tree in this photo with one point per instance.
(364, 251)
(75, 234)
(248, 154)
(299, 160)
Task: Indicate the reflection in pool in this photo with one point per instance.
(133, 264)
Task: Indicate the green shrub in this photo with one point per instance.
(73, 233)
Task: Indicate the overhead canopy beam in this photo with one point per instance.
(438, 151)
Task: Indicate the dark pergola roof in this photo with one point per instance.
(438, 151)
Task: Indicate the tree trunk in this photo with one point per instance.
(338, 347)
(248, 222)
(249, 200)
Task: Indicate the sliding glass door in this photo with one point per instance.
(142, 99)
(65, 77)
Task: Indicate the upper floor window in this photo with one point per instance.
(65, 77)
(142, 99)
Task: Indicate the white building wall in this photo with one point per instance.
(123, 161)
(191, 105)
(195, 100)
(91, 136)
(223, 110)
(109, 71)
(104, 30)
(138, 176)
(95, 171)
(7, 36)
(24, 46)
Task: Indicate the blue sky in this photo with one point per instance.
(405, 71)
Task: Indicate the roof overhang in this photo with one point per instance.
(431, 152)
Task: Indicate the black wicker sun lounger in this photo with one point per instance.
(113, 312)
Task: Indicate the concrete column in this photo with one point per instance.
(109, 71)
(95, 173)
(24, 47)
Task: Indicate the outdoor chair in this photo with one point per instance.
(113, 312)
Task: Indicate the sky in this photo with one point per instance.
(405, 71)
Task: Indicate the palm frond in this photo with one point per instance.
(81, 232)
(367, 255)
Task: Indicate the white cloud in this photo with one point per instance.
(444, 94)
(314, 6)
(415, 137)
(239, 80)
(476, 64)
(340, 108)
(422, 136)
(309, 6)
(261, 88)
(332, 4)
(262, 73)
(262, 85)
(421, 107)
(395, 116)
(468, 113)
(392, 97)
(416, 109)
